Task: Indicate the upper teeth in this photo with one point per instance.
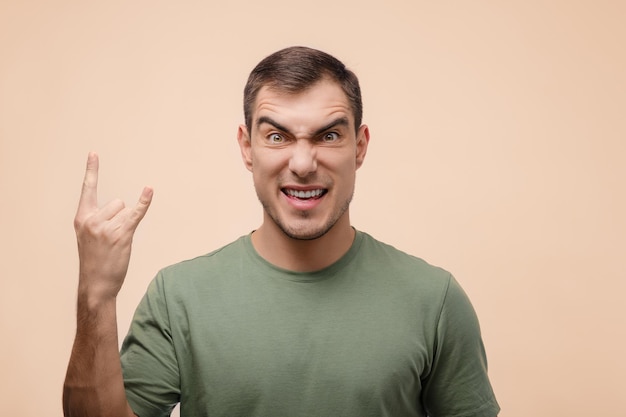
(305, 194)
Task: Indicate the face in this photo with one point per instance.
(303, 152)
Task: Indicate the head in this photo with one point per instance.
(295, 69)
(303, 141)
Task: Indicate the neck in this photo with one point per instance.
(303, 255)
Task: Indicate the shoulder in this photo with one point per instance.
(203, 272)
(397, 261)
(225, 256)
(405, 275)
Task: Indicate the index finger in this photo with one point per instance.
(89, 193)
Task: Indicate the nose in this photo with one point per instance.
(303, 158)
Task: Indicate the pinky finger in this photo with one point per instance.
(142, 206)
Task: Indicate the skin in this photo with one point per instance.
(305, 141)
(94, 384)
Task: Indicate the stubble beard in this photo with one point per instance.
(297, 233)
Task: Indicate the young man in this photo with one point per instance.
(305, 316)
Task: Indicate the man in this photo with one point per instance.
(305, 316)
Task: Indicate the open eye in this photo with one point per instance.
(276, 138)
(330, 137)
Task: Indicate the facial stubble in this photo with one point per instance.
(304, 215)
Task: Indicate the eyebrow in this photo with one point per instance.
(340, 121)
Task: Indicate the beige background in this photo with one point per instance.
(498, 151)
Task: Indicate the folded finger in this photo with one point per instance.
(110, 210)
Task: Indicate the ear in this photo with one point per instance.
(362, 140)
(245, 146)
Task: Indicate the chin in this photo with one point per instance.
(305, 226)
(304, 233)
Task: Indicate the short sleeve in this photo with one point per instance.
(149, 364)
(458, 384)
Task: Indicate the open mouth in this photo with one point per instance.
(304, 195)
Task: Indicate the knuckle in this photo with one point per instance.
(82, 222)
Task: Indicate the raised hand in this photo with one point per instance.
(94, 385)
(105, 237)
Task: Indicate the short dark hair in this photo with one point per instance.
(295, 69)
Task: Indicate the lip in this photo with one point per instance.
(303, 204)
(303, 187)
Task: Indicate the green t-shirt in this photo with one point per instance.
(378, 333)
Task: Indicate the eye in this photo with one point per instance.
(330, 137)
(276, 138)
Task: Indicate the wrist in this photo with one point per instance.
(94, 297)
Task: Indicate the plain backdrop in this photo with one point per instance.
(498, 152)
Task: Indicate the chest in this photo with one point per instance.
(285, 353)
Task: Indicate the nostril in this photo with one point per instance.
(303, 162)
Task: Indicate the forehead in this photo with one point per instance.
(322, 101)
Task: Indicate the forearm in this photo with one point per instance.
(94, 384)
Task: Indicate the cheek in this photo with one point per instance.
(346, 166)
(266, 163)
(345, 177)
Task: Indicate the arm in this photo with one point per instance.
(458, 383)
(94, 385)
